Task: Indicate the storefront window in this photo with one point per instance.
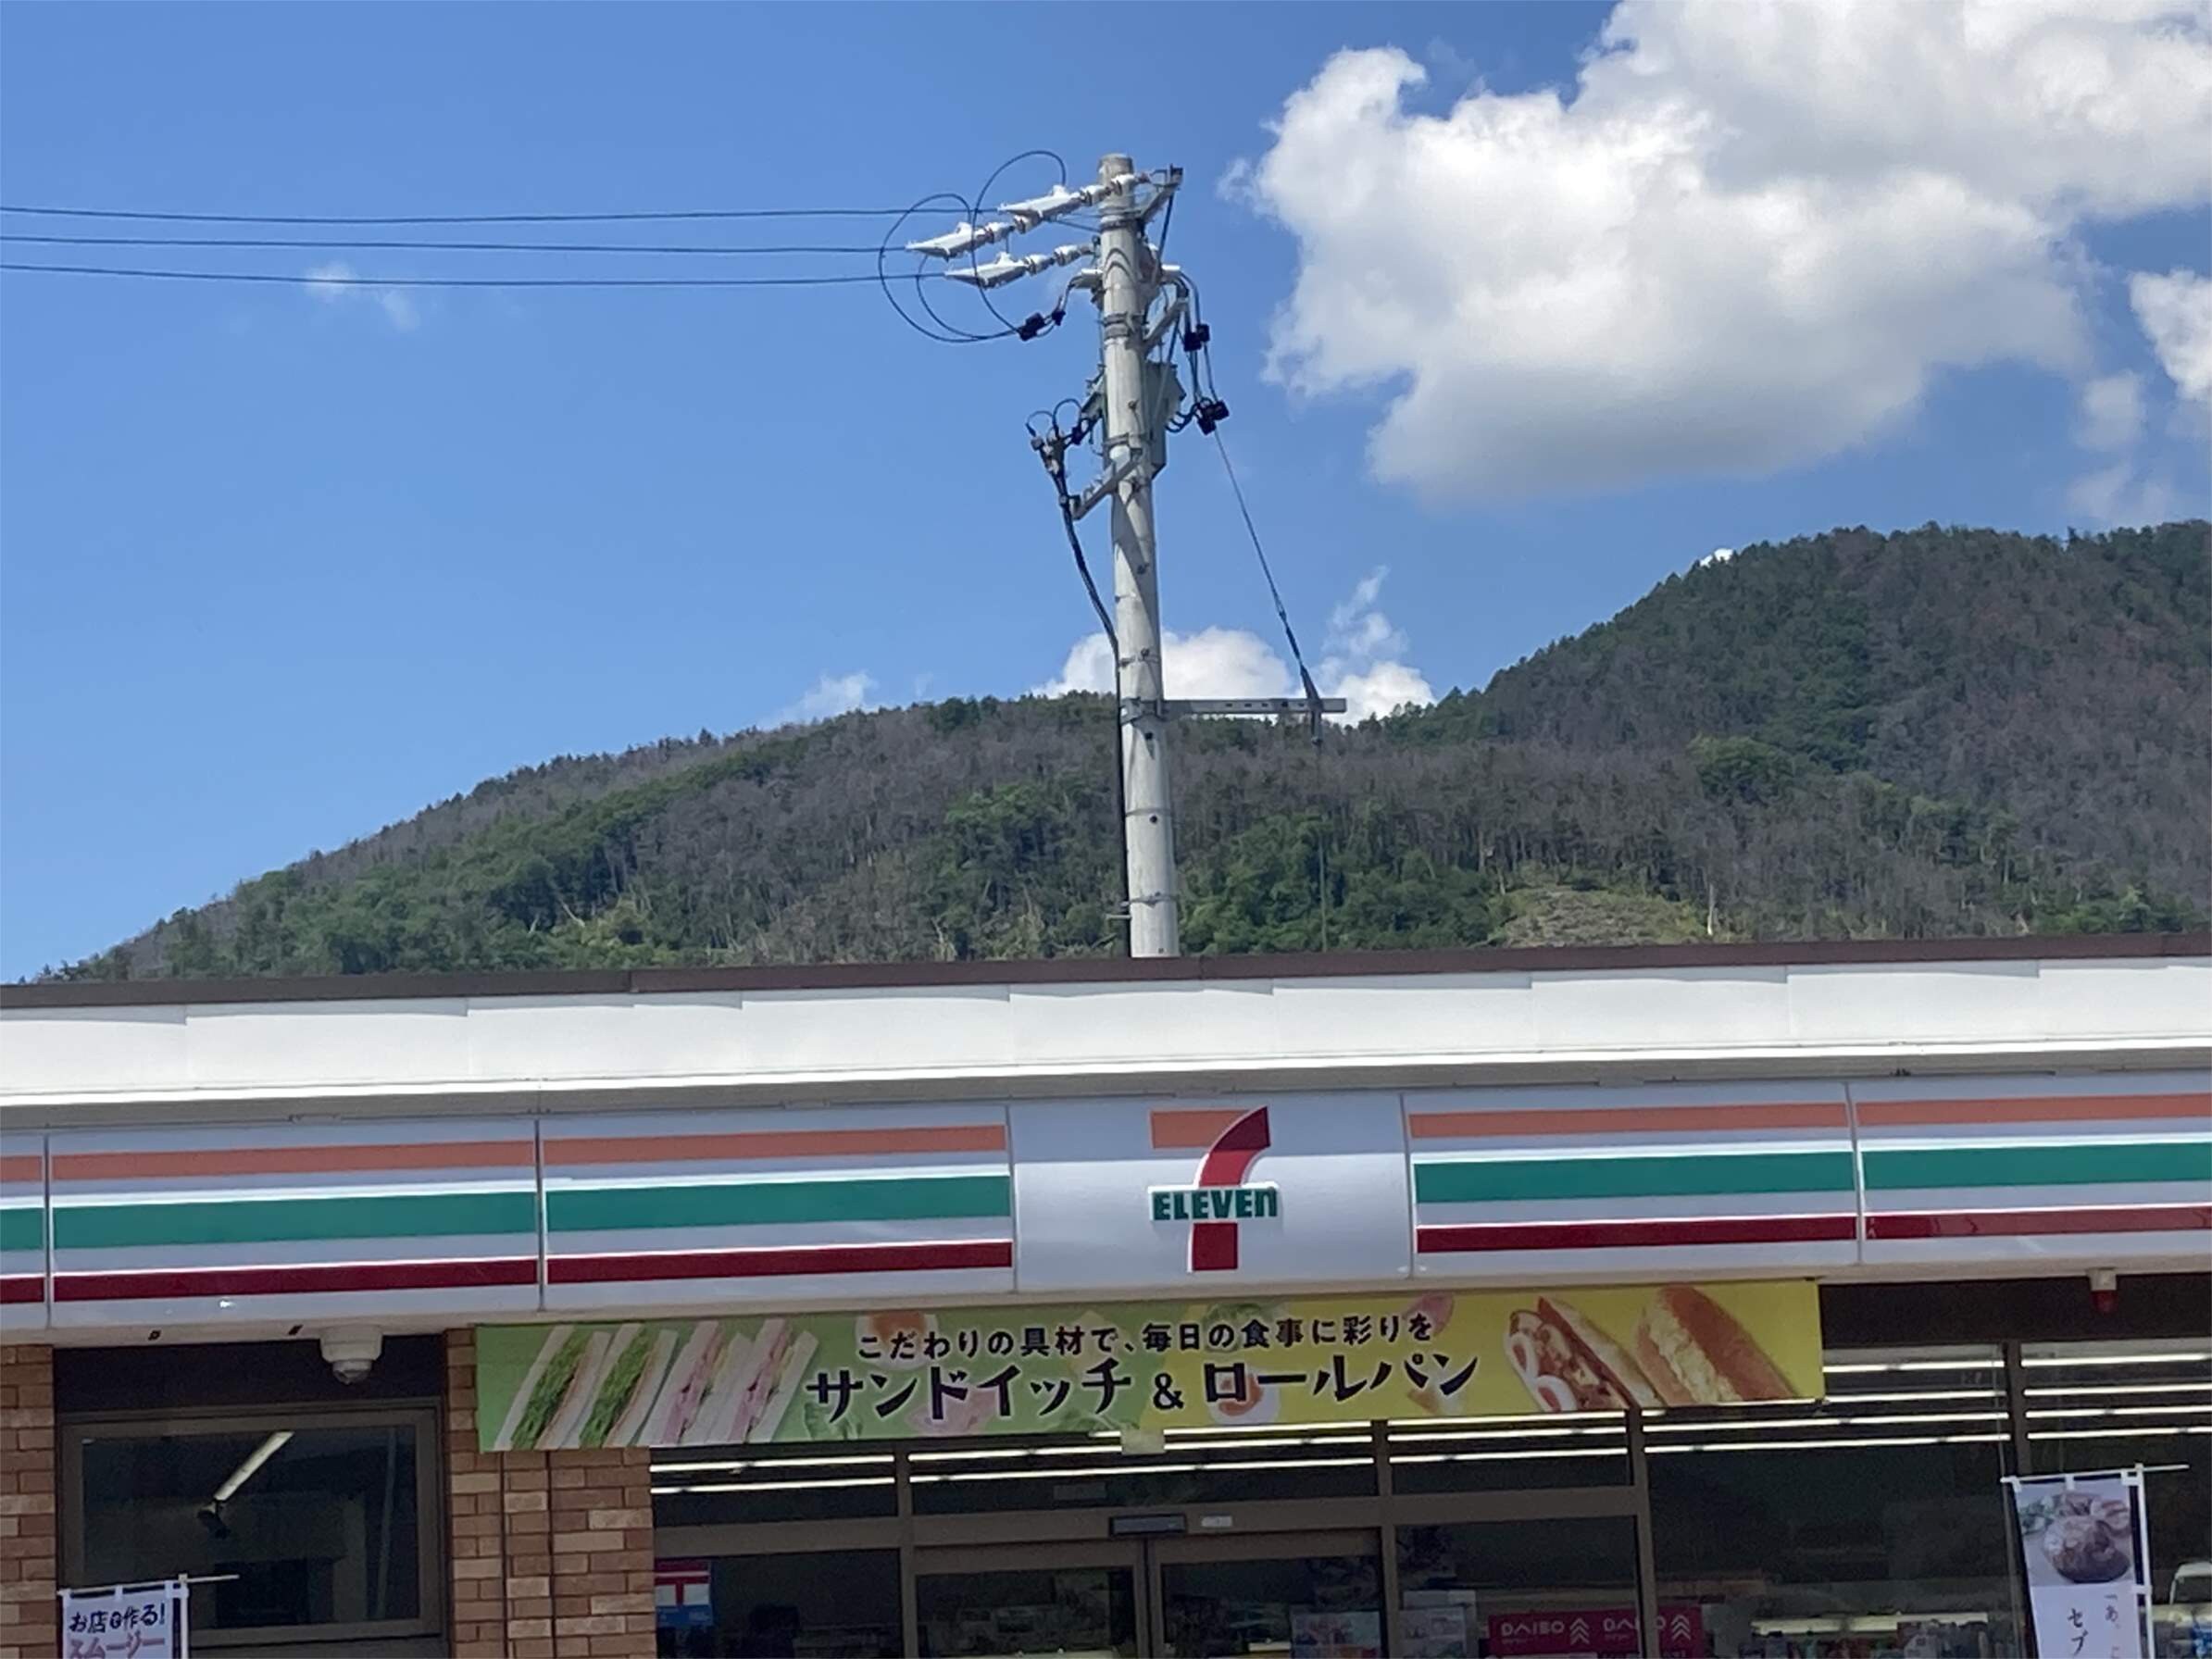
(1090, 1610)
(1871, 1524)
(840, 1605)
(2122, 1406)
(1525, 1589)
(1309, 1604)
(299, 1525)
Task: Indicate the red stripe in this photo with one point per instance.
(1979, 1224)
(1629, 1235)
(276, 1281)
(771, 1264)
(22, 1287)
(1227, 1161)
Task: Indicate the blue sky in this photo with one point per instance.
(283, 566)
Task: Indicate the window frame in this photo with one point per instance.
(428, 1619)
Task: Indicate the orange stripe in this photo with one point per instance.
(1610, 1120)
(772, 1143)
(292, 1160)
(20, 1167)
(1192, 1130)
(2045, 1108)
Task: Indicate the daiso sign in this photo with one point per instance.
(1594, 1630)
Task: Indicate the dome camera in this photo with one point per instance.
(351, 1351)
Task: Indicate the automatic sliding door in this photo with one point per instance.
(1541, 1588)
(1075, 1600)
(1317, 1593)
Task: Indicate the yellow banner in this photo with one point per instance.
(898, 1374)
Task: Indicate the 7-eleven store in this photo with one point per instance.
(1674, 1301)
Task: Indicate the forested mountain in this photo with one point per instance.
(1945, 731)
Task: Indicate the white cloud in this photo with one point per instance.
(1380, 690)
(1358, 664)
(2121, 493)
(2175, 312)
(2111, 412)
(1214, 662)
(336, 282)
(1719, 555)
(1361, 660)
(1747, 238)
(830, 696)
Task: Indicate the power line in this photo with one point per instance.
(351, 282)
(470, 247)
(1313, 692)
(453, 219)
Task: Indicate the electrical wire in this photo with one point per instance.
(352, 281)
(975, 212)
(1082, 568)
(1053, 450)
(944, 333)
(939, 327)
(1313, 692)
(452, 218)
(465, 247)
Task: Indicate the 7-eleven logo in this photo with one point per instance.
(1231, 1139)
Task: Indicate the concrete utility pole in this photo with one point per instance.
(1133, 405)
(1128, 281)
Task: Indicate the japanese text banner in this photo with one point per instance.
(900, 1373)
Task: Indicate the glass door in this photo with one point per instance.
(1317, 1595)
(1073, 1601)
(1543, 1588)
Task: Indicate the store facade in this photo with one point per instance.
(1498, 1302)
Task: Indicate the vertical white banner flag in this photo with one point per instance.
(2085, 1553)
(126, 1621)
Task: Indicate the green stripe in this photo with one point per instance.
(753, 1203)
(22, 1230)
(2040, 1166)
(271, 1221)
(1681, 1176)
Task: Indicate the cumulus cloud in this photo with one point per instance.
(2111, 412)
(1747, 238)
(1359, 663)
(830, 696)
(1362, 660)
(2176, 313)
(336, 284)
(2122, 493)
(1214, 662)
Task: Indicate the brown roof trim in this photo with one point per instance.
(1070, 971)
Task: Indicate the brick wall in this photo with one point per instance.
(29, 1625)
(552, 1552)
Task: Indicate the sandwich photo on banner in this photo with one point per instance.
(634, 1386)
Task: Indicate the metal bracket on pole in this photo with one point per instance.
(1159, 332)
(1251, 705)
(1107, 483)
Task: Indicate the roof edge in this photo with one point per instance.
(1076, 970)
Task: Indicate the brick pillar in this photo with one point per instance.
(552, 1552)
(29, 1628)
(602, 1553)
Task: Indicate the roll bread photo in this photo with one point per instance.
(1686, 1350)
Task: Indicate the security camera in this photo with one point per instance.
(351, 1351)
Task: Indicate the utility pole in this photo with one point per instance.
(1133, 404)
(1128, 282)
